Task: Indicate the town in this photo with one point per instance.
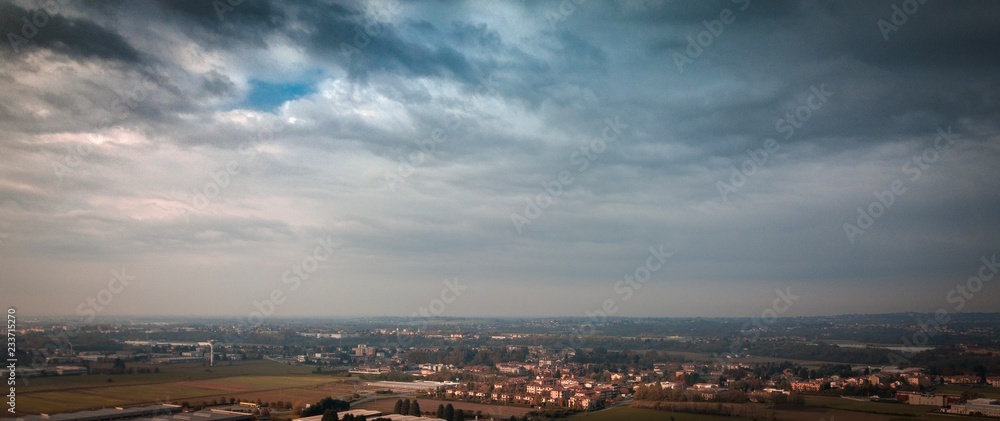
(521, 368)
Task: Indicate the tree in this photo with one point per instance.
(326, 403)
(440, 411)
(654, 392)
(330, 415)
(398, 408)
(969, 395)
(459, 415)
(406, 407)
(415, 408)
(449, 412)
(691, 379)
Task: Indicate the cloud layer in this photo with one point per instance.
(533, 150)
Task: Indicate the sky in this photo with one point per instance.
(553, 158)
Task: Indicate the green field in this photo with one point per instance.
(176, 372)
(251, 380)
(956, 389)
(871, 407)
(639, 414)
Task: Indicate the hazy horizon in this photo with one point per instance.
(237, 318)
(647, 158)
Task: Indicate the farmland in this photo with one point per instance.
(899, 409)
(252, 380)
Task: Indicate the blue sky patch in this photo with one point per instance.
(268, 96)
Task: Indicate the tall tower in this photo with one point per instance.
(211, 352)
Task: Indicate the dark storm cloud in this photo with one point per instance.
(218, 84)
(245, 24)
(29, 29)
(361, 44)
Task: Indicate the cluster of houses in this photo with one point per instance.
(552, 386)
(540, 391)
(892, 379)
(550, 379)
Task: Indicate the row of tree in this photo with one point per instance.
(465, 355)
(445, 412)
(326, 404)
(449, 413)
(406, 407)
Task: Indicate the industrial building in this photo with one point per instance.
(371, 414)
(108, 414)
(982, 407)
(366, 412)
(143, 413)
(204, 415)
(398, 417)
(69, 370)
(417, 386)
